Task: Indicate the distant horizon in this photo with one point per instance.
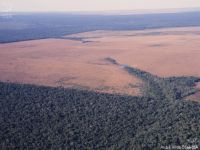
(93, 6)
(117, 12)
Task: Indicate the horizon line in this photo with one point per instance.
(113, 12)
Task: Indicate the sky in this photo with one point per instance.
(92, 5)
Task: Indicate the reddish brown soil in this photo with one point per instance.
(63, 63)
(70, 63)
(196, 96)
(174, 52)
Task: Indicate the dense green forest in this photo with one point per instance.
(38, 117)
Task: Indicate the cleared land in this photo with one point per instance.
(63, 63)
(196, 96)
(80, 60)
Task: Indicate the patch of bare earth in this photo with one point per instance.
(82, 64)
(196, 96)
(57, 62)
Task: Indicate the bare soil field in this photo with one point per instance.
(196, 96)
(78, 60)
(64, 63)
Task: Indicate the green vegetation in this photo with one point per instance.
(36, 117)
(172, 88)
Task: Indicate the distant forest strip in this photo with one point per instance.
(23, 27)
(39, 117)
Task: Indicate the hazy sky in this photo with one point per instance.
(93, 5)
